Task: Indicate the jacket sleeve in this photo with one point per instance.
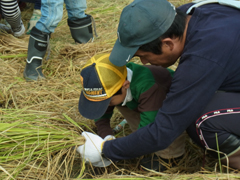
(103, 123)
(151, 100)
(149, 103)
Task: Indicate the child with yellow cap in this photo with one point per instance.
(137, 91)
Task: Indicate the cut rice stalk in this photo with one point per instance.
(32, 137)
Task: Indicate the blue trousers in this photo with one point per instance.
(52, 12)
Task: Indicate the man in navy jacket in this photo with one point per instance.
(204, 95)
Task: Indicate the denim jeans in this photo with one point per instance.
(52, 12)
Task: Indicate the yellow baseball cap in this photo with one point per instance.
(100, 81)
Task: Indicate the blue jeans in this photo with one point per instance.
(52, 12)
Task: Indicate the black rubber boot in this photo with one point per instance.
(81, 29)
(37, 47)
(159, 164)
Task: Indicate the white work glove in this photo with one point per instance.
(109, 137)
(91, 150)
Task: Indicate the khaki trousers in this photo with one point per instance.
(174, 150)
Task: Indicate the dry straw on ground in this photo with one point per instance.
(57, 98)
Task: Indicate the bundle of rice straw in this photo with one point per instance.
(35, 143)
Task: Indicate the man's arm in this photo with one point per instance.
(193, 85)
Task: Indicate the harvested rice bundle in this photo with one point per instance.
(12, 45)
(33, 138)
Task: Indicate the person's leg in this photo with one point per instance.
(218, 128)
(234, 160)
(171, 154)
(37, 47)
(80, 24)
(103, 127)
(132, 117)
(52, 11)
(12, 14)
(35, 16)
(175, 150)
(76, 9)
(167, 158)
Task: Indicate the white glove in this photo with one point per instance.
(91, 150)
(109, 137)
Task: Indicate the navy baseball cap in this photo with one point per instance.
(141, 22)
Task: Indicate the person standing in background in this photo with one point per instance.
(36, 14)
(80, 25)
(12, 14)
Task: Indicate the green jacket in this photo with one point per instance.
(149, 86)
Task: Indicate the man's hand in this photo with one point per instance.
(91, 150)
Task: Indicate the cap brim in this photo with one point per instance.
(121, 55)
(92, 109)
